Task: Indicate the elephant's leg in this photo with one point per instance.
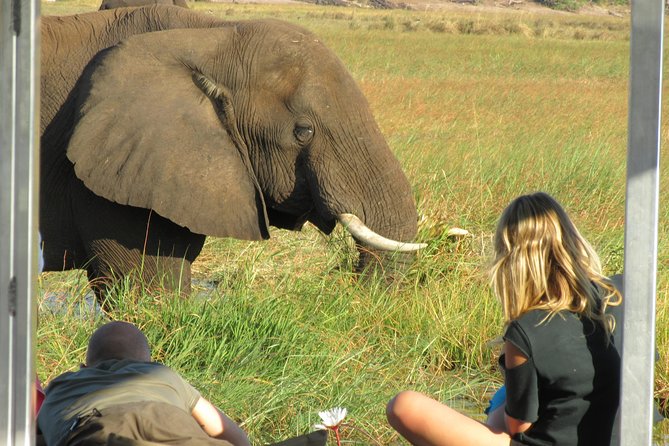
(62, 248)
(111, 262)
(124, 241)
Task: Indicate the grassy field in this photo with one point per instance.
(478, 108)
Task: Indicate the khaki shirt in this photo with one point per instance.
(107, 384)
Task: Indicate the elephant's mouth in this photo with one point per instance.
(292, 222)
(324, 225)
(353, 224)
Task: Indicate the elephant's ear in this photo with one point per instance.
(146, 134)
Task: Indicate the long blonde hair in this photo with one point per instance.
(542, 262)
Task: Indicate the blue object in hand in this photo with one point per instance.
(497, 400)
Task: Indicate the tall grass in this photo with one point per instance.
(478, 108)
(274, 347)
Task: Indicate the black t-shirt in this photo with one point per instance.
(569, 387)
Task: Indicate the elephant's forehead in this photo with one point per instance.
(302, 82)
(294, 47)
(278, 29)
(299, 65)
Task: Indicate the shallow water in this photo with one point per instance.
(61, 303)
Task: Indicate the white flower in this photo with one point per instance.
(332, 418)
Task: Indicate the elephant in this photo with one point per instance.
(111, 4)
(161, 126)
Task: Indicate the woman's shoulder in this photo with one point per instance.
(540, 323)
(532, 318)
(537, 317)
(534, 314)
(521, 330)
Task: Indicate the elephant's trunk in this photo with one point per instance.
(373, 240)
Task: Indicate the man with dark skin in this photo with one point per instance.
(120, 393)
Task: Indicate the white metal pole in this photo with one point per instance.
(19, 155)
(641, 222)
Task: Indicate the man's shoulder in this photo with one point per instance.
(110, 367)
(63, 377)
(116, 364)
(151, 370)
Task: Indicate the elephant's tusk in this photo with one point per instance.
(370, 238)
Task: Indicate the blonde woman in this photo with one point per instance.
(562, 371)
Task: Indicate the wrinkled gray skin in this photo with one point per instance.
(111, 4)
(150, 140)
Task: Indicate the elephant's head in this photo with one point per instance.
(229, 130)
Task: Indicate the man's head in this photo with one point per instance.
(117, 340)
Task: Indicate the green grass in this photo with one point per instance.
(478, 108)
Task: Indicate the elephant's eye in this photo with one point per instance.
(304, 133)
